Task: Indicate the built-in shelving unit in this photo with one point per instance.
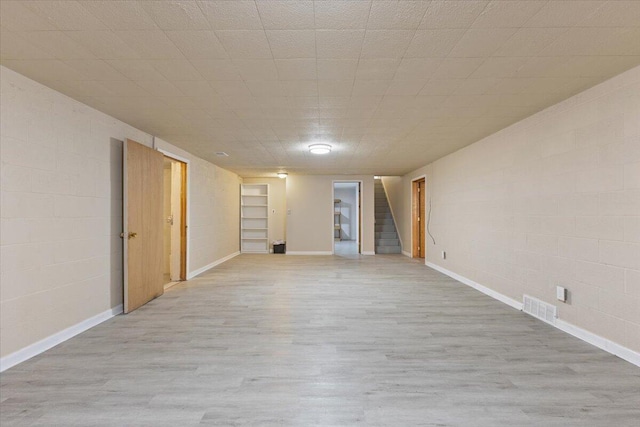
(337, 219)
(254, 220)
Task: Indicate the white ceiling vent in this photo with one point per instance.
(540, 309)
(221, 154)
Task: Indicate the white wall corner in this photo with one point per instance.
(405, 253)
(51, 341)
(368, 253)
(201, 270)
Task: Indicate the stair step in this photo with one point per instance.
(384, 221)
(385, 228)
(386, 235)
(388, 249)
(387, 242)
(383, 215)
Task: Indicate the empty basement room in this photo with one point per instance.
(320, 213)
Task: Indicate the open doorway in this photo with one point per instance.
(347, 217)
(418, 194)
(175, 229)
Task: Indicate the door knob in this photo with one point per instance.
(132, 235)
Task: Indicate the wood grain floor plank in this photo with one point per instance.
(270, 340)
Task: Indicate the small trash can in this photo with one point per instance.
(279, 247)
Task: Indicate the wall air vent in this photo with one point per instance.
(221, 154)
(540, 309)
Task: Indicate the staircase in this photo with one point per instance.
(387, 241)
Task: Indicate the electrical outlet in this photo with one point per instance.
(561, 293)
(444, 255)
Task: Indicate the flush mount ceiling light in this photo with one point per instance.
(282, 174)
(319, 148)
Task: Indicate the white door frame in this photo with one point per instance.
(358, 217)
(188, 213)
(424, 223)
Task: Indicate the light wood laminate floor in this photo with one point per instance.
(275, 340)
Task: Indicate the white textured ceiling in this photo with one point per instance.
(392, 85)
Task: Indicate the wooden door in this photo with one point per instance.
(143, 224)
(418, 220)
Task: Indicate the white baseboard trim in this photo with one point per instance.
(51, 341)
(602, 343)
(589, 337)
(405, 253)
(309, 253)
(368, 253)
(201, 270)
(490, 292)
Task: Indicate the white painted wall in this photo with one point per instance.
(552, 200)
(310, 224)
(61, 211)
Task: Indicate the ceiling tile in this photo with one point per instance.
(296, 69)
(95, 69)
(331, 88)
(529, 41)
(507, 14)
(499, 67)
(126, 89)
(103, 44)
(478, 43)
(265, 88)
(386, 43)
(216, 69)
(339, 44)
(341, 15)
(563, 13)
(136, 69)
(65, 15)
(256, 69)
(46, 70)
(198, 44)
(457, 68)
(619, 13)
(231, 15)
(16, 16)
(160, 88)
(176, 14)
(16, 47)
(377, 69)
(433, 43)
(56, 43)
(245, 44)
(195, 88)
(337, 69)
(405, 87)
(278, 73)
(370, 87)
(286, 15)
(440, 87)
(174, 69)
(152, 44)
(417, 68)
(300, 87)
(452, 14)
(397, 15)
(287, 44)
(120, 15)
